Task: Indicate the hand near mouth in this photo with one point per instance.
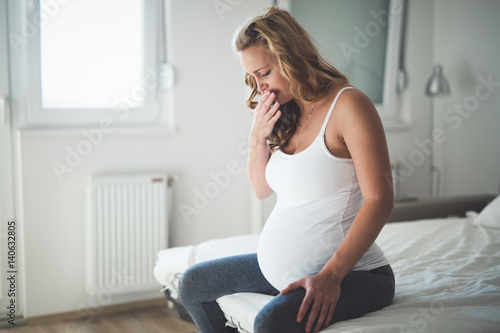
(265, 116)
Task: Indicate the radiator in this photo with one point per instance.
(127, 224)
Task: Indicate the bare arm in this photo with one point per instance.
(364, 137)
(258, 151)
(258, 156)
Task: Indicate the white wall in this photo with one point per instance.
(213, 125)
(466, 43)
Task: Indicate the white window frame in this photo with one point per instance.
(154, 109)
(390, 109)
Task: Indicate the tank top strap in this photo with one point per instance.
(323, 128)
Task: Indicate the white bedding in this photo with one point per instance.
(170, 263)
(447, 279)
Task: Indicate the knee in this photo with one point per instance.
(265, 322)
(280, 315)
(274, 320)
(188, 282)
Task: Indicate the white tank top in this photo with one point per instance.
(318, 196)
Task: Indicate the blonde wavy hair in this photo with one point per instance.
(310, 76)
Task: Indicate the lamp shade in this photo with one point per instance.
(437, 83)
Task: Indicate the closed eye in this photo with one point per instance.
(266, 74)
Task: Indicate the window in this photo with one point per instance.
(361, 39)
(92, 60)
(88, 65)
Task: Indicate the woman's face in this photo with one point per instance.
(263, 66)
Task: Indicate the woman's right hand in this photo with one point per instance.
(264, 118)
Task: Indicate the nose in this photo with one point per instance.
(261, 86)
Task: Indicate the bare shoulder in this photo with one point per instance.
(354, 102)
(354, 120)
(355, 111)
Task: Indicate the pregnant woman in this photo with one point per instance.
(317, 142)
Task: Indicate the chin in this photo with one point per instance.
(284, 100)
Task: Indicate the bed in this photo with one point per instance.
(447, 270)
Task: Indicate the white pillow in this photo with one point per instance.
(490, 215)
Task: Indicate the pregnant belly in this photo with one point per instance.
(297, 242)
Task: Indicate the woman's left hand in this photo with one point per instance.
(322, 294)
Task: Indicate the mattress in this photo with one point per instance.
(170, 263)
(447, 278)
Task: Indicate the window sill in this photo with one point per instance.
(141, 131)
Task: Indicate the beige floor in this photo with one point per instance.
(156, 319)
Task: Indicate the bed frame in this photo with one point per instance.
(427, 208)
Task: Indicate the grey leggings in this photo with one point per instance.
(199, 287)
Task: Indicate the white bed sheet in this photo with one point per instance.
(447, 279)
